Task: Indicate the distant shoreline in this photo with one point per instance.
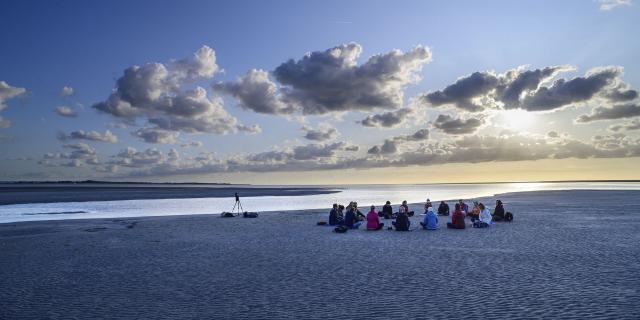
(91, 182)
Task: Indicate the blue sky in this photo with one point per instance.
(88, 45)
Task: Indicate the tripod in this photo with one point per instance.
(238, 205)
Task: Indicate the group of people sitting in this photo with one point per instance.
(479, 215)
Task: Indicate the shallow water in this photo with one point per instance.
(365, 195)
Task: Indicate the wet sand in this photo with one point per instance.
(568, 254)
(19, 194)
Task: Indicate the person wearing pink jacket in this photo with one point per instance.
(373, 220)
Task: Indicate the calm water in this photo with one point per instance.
(365, 195)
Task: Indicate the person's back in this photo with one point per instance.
(457, 218)
(334, 217)
(387, 210)
(430, 221)
(498, 212)
(373, 220)
(349, 218)
(402, 222)
(443, 209)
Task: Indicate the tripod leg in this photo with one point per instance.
(234, 207)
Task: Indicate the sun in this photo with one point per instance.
(517, 120)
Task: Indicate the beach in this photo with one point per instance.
(570, 254)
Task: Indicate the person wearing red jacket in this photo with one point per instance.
(457, 219)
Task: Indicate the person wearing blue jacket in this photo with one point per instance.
(430, 220)
(350, 218)
(335, 216)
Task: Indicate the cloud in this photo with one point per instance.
(618, 111)
(323, 133)
(331, 80)
(566, 92)
(192, 144)
(328, 81)
(153, 135)
(154, 92)
(451, 125)
(108, 136)
(526, 89)
(606, 5)
(553, 134)
(66, 91)
(8, 92)
(252, 129)
(390, 146)
(389, 119)
(65, 111)
(627, 126)
(77, 155)
(256, 92)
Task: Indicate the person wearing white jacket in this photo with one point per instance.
(485, 217)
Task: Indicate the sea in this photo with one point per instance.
(365, 195)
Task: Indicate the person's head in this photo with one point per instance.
(430, 210)
(458, 206)
(404, 203)
(355, 204)
(335, 206)
(340, 207)
(461, 202)
(373, 207)
(481, 205)
(388, 202)
(475, 203)
(442, 202)
(428, 200)
(498, 203)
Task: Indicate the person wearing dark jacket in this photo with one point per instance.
(387, 210)
(335, 218)
(498, 213)
(443, 209)
(350, 218)
(457, 219)
(402, 222)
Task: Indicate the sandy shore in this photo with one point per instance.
(568, 254)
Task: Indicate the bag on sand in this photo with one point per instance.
(508, 217)
(321, 223)
(340, 229)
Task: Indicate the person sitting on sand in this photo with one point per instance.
(427, 205)
(485, 217)
(498, 212)
(405, 207)
(335, 218)
(475, 212)
(463, 206)
(402, 222)
(430, 220)
(373, 220)
(387, 210)
(350, 219)
(457, 218)
(443, 209)
(359, 215)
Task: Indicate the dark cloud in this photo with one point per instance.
(525, 89)
(76, 155)
(192, 144)
(154, 91)
(8, 92)
(390, 146)
(627, 126)
(565, 92)
(153, 135)
(553, 134)
(108, 136)
(451, 125)
(256, 92)
(322, 133)
(252, 129)
(463, 91)
(619, 111)
(387, 119)
(65, 111)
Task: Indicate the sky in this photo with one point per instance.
(319, 92)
